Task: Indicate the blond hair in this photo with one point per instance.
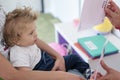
(15, 24)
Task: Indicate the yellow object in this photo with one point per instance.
(104, 27)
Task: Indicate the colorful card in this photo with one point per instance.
(94, 45)
(92, 13)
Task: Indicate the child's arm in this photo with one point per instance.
(59, 64)
(43, 46)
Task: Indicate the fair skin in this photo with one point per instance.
(110, 75)
(29, 37)
(113, 13)
(8, 72)
(59, 63)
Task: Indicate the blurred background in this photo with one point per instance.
(51, 12)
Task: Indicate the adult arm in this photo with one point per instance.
(59, 64)
(8, 72)
(6, 69)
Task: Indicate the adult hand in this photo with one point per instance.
(113, 13)
(59, 64)
(111, 74)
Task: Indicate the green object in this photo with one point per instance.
(94, 44)
(1, 78)
(45, 27)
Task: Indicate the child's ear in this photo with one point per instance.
(15, 41)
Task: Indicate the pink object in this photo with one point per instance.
(59, 48)
(76, 22)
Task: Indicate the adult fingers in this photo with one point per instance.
(109, 12)
(105, 77)
(105, 67)
(114, 5)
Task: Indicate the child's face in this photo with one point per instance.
(28, 37)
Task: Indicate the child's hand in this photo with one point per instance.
(59, 64)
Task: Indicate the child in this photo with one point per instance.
(27, 52)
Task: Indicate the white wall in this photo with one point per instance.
(65, 10)
(117, 2)
(48, 5)
(12, 4)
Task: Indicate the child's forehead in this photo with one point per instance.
(30, 26)
(23, 27)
